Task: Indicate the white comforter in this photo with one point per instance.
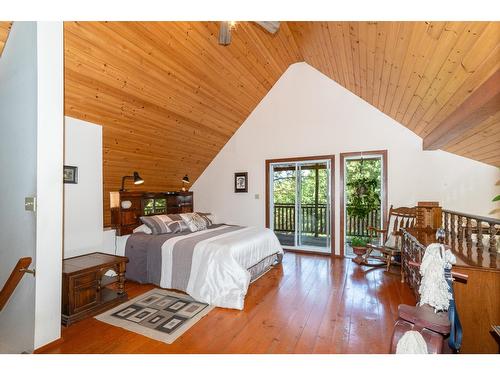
(219, 266)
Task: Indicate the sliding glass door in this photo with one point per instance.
(300, 204)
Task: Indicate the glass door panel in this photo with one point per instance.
(300, 206)
(314, 212)
(284, 192)
(363, 197)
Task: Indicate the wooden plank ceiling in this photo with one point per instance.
(4, 33)
(418, 73)
(169, 97)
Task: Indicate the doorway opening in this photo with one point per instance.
(363, 195)
(299, 202)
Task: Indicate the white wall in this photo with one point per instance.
(49, 217)
(307, 114)
(31, 119)
(83, 215)
(18, 127)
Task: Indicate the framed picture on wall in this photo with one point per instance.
(241, 182)
(70, 174)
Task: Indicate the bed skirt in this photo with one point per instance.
(264, 265)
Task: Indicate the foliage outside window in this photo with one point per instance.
(285, 183)
(363, 186)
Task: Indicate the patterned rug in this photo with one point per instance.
(158, 314)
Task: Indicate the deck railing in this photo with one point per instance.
(358, 226)
(315, 220)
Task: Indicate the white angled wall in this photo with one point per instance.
(83, 215)
(307, 114)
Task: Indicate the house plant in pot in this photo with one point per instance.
(358, 245)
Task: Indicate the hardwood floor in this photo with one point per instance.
(310, 304)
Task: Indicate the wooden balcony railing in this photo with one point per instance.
(356, 226)
(472, 239)
(465, 232)
(15, 277)
(314, 220)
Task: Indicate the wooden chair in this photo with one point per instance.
(390, 245)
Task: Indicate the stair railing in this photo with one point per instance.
(15, 277)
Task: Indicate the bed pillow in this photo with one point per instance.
(207, 217)
(157, 223)
(175, 217)
(178, 226)
(194, 222)
(143, 228)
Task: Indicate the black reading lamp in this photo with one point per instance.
(137, 180)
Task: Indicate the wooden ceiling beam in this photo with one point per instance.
(483, 103)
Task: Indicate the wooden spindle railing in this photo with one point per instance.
(15, 277)
(358, 226)
(469, 231)
(314, 220)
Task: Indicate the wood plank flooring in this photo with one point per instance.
(309, 304)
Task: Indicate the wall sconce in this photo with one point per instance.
(137, 180)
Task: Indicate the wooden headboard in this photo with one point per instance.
(128, 206)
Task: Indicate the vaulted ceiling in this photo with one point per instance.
(169, 96)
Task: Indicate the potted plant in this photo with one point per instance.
(358, 245)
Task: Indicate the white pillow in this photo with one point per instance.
(142, 229)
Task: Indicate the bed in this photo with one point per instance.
(214, 265)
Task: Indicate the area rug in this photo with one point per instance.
(158, 314)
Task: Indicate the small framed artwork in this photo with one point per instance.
(70, 174)
(241, 182)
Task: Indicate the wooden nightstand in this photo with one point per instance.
(86, 290)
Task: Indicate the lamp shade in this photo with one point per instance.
(137, 179)
(114, 199)
(185, 179)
